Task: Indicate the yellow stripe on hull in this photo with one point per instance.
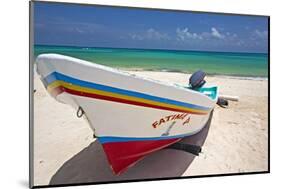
(58, 83)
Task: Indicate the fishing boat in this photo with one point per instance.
(130, 116)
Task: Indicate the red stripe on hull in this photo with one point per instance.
(122, 155)
(61, 89)
(56, 91)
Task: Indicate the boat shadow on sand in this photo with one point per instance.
(91, 166)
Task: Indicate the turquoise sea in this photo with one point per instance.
(217, 63)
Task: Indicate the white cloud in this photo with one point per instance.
(240, 43)
(216, 33)
(261, 34)
(136, 37)
(153, 34)
(150, 34)
(74, 27)
(184, 34)
(79, 30)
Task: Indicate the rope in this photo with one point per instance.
(80, 112)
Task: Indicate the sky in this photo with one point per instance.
(97, 26)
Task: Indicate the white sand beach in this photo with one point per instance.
(237, 141)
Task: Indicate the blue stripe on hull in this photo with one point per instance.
(58, 76)
(107, 139)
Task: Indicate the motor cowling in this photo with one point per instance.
(197, 79)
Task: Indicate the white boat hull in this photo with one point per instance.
(125, 111)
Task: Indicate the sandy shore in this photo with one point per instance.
(65, 151)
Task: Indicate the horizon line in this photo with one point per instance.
(134, 48)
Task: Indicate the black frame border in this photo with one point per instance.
(31, 100)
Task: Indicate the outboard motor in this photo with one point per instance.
(197, 79)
